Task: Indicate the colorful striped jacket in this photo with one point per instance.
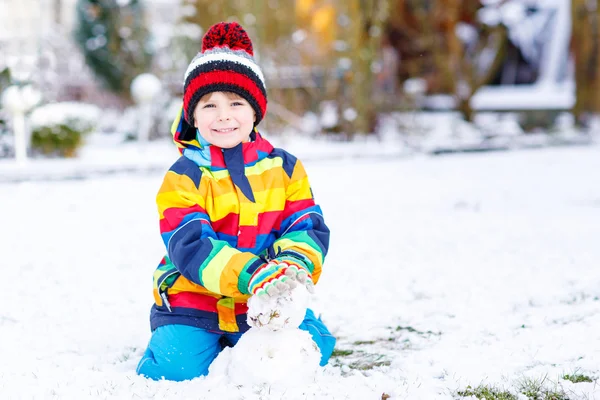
(224, 213)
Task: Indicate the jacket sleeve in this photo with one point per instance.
(191, 242)
(304, 234)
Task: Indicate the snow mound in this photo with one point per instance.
(286, 358)
(274, 351)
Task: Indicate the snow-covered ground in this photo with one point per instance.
(443, 272)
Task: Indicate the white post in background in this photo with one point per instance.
(18, 100)
(144, 89)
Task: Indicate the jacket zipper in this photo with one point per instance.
(163, 293)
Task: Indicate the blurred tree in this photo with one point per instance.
(585, 45)
(311, 51)
(5, 79)
(204, 13)
(458, 59)
(317, 18)
(270, 26)
(6, 148)
(114, 40)
(362, 23)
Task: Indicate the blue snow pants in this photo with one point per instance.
(180, 352)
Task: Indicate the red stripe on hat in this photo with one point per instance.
(226, 77)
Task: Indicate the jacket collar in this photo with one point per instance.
(216, 158)
(213, 157)
(234, 160)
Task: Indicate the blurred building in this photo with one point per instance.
(538, 70)
(27, 29)
(37, 45)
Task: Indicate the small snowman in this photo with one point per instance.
(273, 351)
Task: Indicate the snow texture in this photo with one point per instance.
(443, 272)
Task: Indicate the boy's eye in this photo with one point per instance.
(208, 106)
(237, 103)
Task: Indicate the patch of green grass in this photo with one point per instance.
(359, 342)
(368, 361)
(483, 392)
(578, 378)
(341, 353)
(407, 328)
(368, 365)
(534, 389)
(413, 330)
(359, 359)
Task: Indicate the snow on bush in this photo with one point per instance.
(78, 116)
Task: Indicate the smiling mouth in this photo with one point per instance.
(225, 130)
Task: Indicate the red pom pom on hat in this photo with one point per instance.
(230, 34)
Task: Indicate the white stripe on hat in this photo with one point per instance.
(224, 56)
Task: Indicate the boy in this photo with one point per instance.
(237, 217)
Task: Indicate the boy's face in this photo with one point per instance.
(224, 119)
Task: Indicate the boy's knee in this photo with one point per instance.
(320, 334)
(178, 353)
(176, 369)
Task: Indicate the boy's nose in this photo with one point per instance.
(224, 115)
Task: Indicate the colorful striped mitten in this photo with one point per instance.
(279, 276)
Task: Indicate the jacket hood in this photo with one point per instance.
(184, 135)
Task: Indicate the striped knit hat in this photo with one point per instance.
(225, 64)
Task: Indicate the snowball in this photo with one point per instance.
(350, 114)
(145, 87)
(278, 312)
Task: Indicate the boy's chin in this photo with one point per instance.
(229, 145)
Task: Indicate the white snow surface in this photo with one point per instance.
(443, 272)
